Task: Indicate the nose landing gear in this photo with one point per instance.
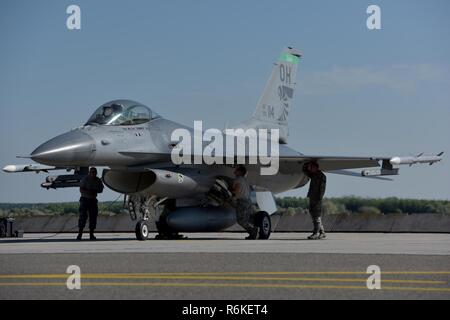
(141, 208)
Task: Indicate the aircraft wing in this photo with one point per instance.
(385, 165)
(329, 163)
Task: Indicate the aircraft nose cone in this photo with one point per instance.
(74, 148)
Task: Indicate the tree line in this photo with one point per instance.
(61, 208)
(286, 205)
(352, 204)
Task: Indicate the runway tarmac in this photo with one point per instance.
(224, 266)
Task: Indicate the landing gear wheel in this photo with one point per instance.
(142, 230)
(264, 224)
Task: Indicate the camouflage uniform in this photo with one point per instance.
(315, 194)
(244, 207)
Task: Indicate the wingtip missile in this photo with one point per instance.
(417, 159)
(10, 168)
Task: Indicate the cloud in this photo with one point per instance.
(401, 79)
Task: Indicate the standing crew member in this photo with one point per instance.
(315, 194)
(89, 187)
(241, 191)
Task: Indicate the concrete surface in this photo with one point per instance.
(223, 266)
(358, 243)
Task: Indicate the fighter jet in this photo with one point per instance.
(135, 144)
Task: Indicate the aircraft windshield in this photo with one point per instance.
(122, 114)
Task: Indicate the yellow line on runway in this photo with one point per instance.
(199, 277)
(241, 285)
(7, 276)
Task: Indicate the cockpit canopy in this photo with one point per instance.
(122, 113)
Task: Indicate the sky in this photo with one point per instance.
(359, 92)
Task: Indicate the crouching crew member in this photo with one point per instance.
(241, 191)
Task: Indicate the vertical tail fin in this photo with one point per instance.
(273, 107)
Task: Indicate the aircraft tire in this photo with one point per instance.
(142, 230)
(264, 224)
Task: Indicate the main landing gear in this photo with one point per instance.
(140, 209)
(264, 224)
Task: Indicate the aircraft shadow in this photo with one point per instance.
(50, 240)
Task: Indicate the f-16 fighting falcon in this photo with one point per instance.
(135, 145)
